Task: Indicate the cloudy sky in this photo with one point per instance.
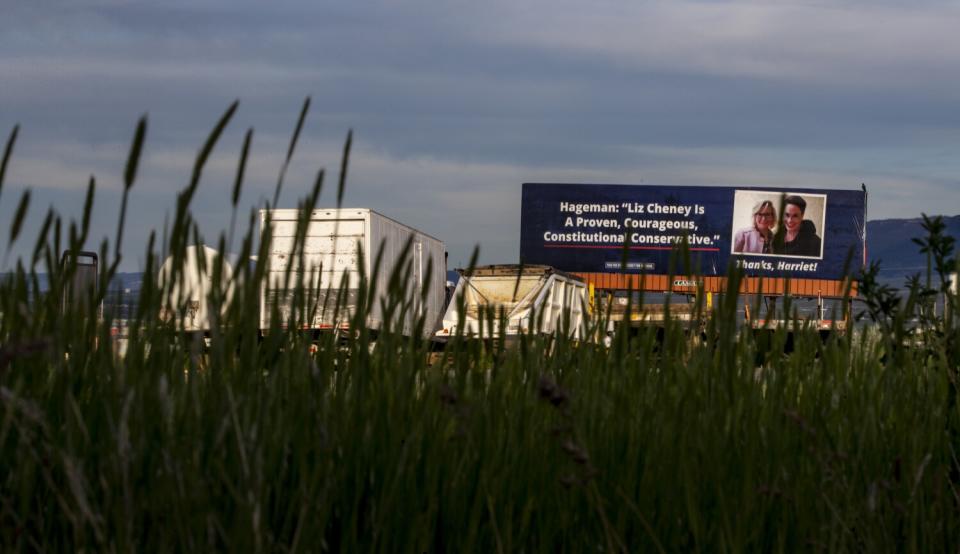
(454, 104)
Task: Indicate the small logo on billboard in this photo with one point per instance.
(632, 266)
(687, 283)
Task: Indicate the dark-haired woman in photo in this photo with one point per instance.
(758, 238)
(797, 236)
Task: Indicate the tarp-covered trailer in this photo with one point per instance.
(190, 289)
(525, 295)
(339, 244)
(950, 307)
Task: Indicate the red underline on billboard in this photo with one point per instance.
(598, 247)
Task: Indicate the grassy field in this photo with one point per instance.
(284, 444)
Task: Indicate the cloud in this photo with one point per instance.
(827, 43)
(455, 104)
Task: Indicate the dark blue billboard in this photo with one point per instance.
(801, 233)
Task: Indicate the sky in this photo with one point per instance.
(454, 104)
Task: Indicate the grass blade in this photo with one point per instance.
(129, 175)
(181, 228)
(344, 162)
(87, 210)
(42, 237)
(19, 217)
(209, 144)
(133, 160)
(241, 167)
(238, 184)
(7, 152)
(290, 149)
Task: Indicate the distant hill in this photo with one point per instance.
(127, 281)
(890, 242)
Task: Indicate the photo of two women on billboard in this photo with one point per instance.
(790, 235)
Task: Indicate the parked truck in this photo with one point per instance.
(79, 291)
(340, 245)
(530, 298)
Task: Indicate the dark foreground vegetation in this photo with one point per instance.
(292, 443)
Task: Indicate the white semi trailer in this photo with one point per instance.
(339, 245)
(531, 298)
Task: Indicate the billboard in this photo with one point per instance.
(800, 233)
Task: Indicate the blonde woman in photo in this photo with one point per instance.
(757, 239)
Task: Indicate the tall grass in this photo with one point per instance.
(297, 443)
